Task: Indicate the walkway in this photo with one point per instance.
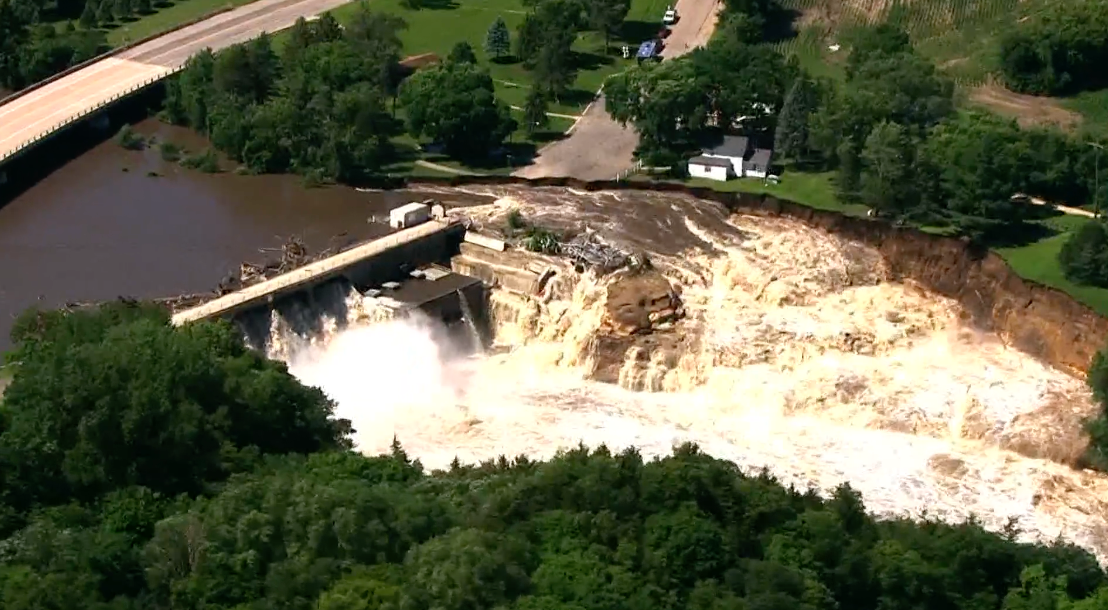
(44, 110)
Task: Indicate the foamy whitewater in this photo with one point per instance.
(808, 362)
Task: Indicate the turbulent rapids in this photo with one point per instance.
(765, 341)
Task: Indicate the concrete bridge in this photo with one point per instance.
(388, 259)
(29, 116)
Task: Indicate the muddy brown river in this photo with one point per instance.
(102, 226)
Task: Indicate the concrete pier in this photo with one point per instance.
(382, 260)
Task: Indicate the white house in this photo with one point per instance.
(731, 148)
(731, 157)
(712, 168)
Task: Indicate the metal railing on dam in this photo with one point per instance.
(431, 234)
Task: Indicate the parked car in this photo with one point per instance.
(670, 16)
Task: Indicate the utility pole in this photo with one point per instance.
(1096, 179)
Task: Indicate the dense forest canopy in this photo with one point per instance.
(152, 467)
(32, 49)
(1062, 49)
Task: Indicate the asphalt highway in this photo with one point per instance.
(56, 104)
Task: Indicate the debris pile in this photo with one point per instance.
(590, 249)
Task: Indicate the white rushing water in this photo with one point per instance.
(805, 360)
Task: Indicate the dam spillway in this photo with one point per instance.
(381, 261)
(768, 342)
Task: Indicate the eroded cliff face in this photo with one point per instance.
(1041, 321)
(1038, 320)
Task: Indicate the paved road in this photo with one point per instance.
(65, 99)
(598, 148)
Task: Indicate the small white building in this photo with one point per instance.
(409, 215)
(757, 166)
(712, 168)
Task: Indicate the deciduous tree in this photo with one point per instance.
(456, 104)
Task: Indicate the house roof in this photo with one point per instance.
(730, 146)
(759, 161)
(710, 161)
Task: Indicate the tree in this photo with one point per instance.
(605, 16)
(143, 7)
(113, 398)
(886, 182)
(534, 111)
(88, 16)
(1084, 255)
(105, 13)
(498, 40)
(124, 9)
(456, 104)
(462, 53)
(791, 138)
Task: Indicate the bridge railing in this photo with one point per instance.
(66, 122)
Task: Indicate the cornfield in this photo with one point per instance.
(959, 35)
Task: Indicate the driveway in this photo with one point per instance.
(599, 148)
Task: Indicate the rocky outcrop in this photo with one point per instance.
(1042, 321)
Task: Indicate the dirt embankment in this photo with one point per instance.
(1041, 321)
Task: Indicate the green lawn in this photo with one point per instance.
(441, 24)
(1039, 262)
(167, 15)
(811, 189)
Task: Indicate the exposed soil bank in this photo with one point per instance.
(1042, 321)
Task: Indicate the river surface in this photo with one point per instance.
(808, 358)
(101, 227)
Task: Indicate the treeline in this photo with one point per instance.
(890, 131)
(145, 466)
(1061, 49)
(675, 104)
(33, 47)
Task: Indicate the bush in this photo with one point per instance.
(170, 151)
(1084, 256)
(205, 161)
(127, 138)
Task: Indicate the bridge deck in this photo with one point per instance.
(308, 274)
(25, 120)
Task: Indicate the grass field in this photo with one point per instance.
(811, 189)
(960, 36)
(441, 24)
(167, 15)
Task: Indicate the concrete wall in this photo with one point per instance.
(390, 258)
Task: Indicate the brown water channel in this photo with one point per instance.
(102, 227)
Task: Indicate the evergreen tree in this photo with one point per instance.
(104, 13)
(143, 7)
(791, 137)
(498, 41)
(462, 53)
(124, 9)
(534, 111)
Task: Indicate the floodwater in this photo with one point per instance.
(799, 352)
(101, 227)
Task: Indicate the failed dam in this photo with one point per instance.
(777, 342)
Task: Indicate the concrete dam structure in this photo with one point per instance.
(409, 269)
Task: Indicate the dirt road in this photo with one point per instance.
(598, 148)
(25, 118)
